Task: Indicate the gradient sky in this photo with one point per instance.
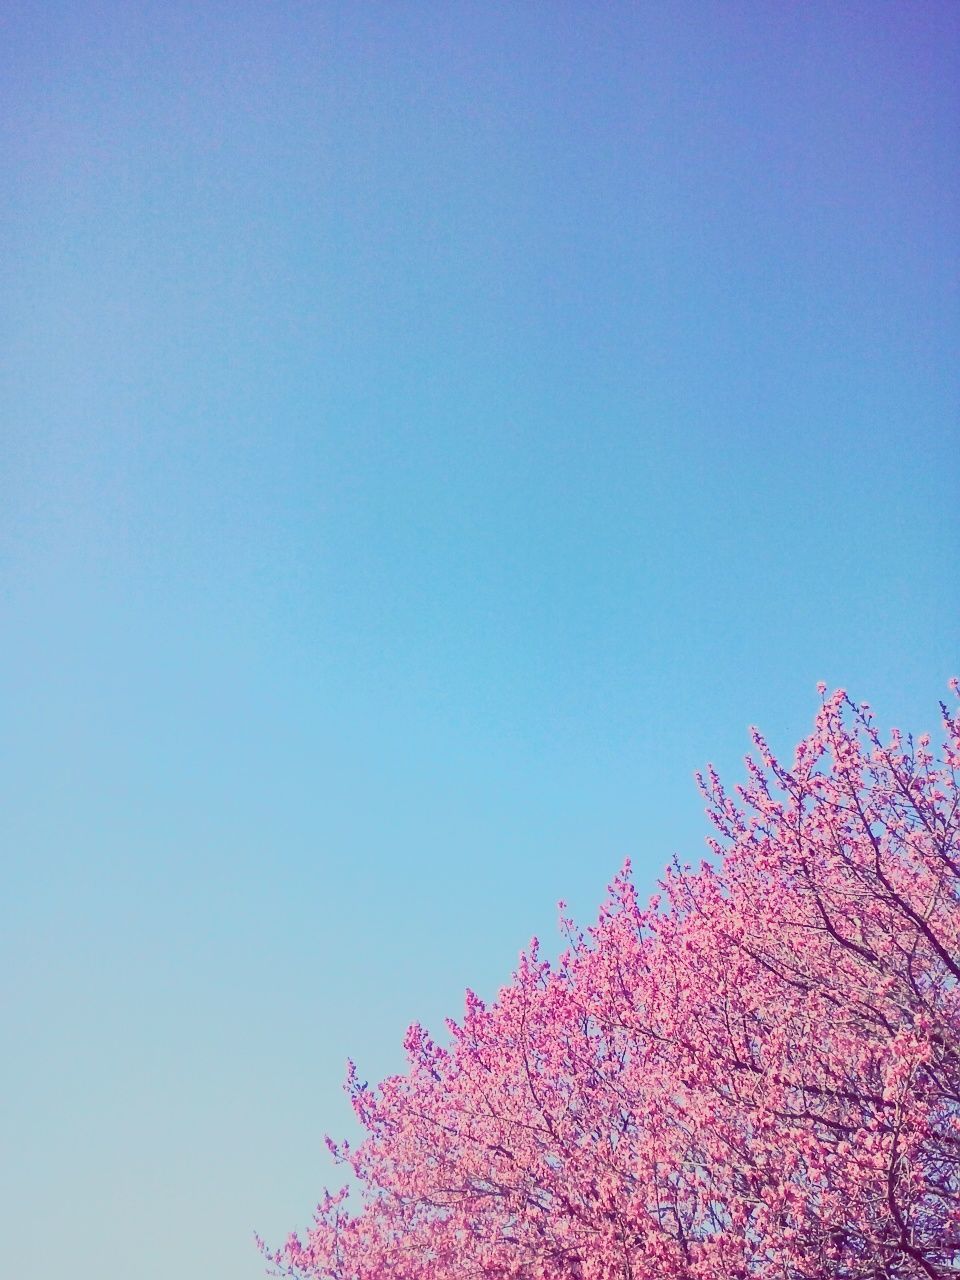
(428, 433)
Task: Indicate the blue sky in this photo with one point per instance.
(428, 433)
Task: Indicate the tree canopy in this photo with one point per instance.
(756, 1074)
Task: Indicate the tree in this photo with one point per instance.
(755, 1075)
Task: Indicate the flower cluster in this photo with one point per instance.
(755, 1075)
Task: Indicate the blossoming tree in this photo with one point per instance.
(755, 1075)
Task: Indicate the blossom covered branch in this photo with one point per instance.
(755, 1075)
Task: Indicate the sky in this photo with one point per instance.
(429, 432)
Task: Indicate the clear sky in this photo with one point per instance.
(428, 433)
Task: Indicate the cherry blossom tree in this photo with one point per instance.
(757, 1074)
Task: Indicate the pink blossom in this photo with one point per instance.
(756, 1076)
